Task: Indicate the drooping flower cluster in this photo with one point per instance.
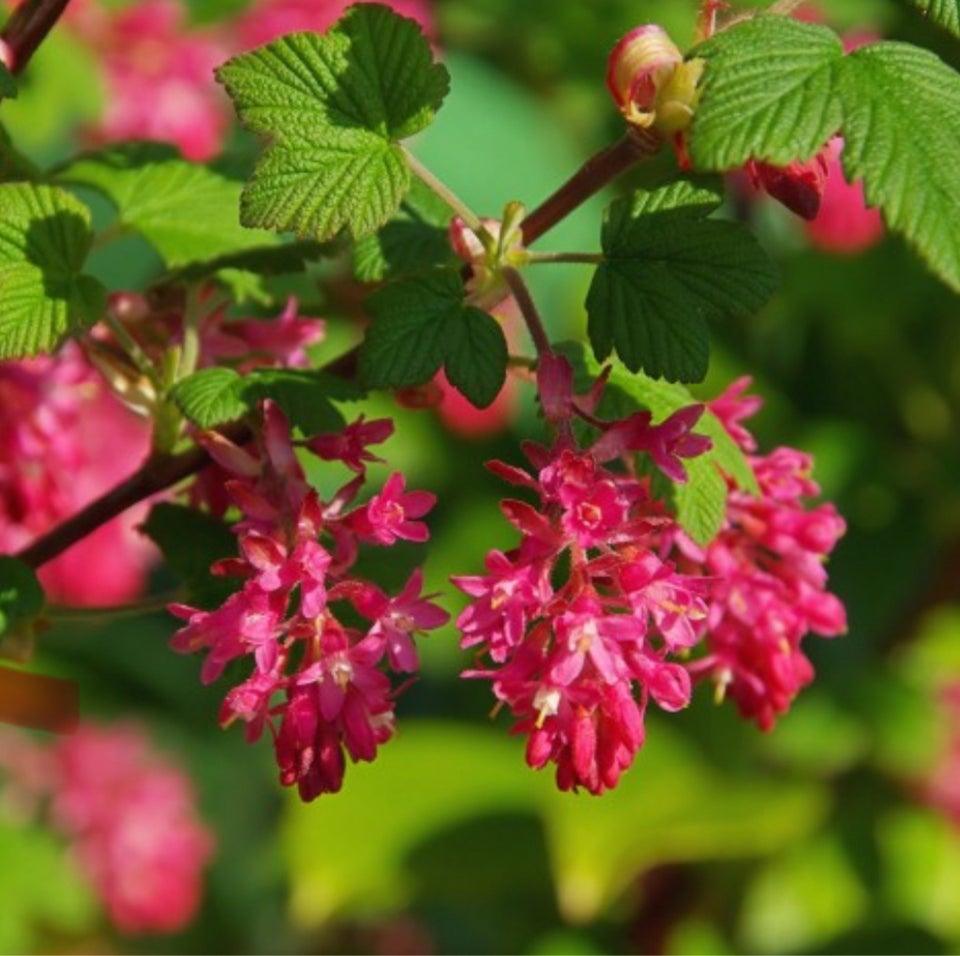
(64, 440)
(129, 814)
(584, 620)
(606, 603)
(317, 682)
(158, 66)
(769, 579)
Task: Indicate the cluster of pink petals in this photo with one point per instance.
(606, 604)
(64, 440)
(317, 682)
(769, 580)
(583, 620)
(158, 66)
(129, 814)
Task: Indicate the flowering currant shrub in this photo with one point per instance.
(650, 549)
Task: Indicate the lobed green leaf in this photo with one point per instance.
(331, 109)
(667, 270)
(768, 92)
(45, 236)
(902, 138)
(186, 211)
(945, 13)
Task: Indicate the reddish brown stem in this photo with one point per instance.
(158, 473)
(27, 28)
(590, 178)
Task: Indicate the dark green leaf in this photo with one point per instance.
(667, 270)
(8, 85)
(405, 344)
(305, 396)
(21, 595)
(191, 541)
(768, 92)
(476, 356)
(902, 137)
(186, 211)
(210, 397)
(44, 239)
(946, 13)
(332, 109)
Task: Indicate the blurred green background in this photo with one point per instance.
(815, 838)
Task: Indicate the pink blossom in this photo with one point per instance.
(131, 817)
(844, 224)
(64, 440)
(317, 683)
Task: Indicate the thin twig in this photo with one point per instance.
(528, 309)
(27, 28)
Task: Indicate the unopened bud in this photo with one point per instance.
(799, 186)
(429, 395)
(650, 82)
(128, 306)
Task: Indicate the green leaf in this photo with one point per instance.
(768, 92)
(8, 85)
(13, 164)
(305, 396)
(187, 212)
(210, 397)
(405, 344)
(415, 241)
(946, 13)
(902, 137)
(700, 503)
(21, 595)
(44, 239)
(666, 271)
(476, 356)
(43, 892)
(331, 109)
(191, 541)
(420, 324)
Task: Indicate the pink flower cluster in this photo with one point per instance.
(335, 696)
(158, 67)
(64, 440)
(129, 814)
(769, 579)
(600, 607)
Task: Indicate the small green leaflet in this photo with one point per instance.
(777, 90)
(215, 396)
(902, 138)
(421, 324)
(186, 211)
(21, 596)
(666, 271)
(332, 109)
(700, 504)
(946, 13)
(44, 240)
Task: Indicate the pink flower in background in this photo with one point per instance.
(159, 76)
(64, 440)
(266, 20)
(942, 786)
(128, 813)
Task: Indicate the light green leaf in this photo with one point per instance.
(768, 92)
(666, 271)
(332, 109)
(475, 352)
(902, 137)
(44, 239)
(210, 397)
(187, 212)
(946, 13)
